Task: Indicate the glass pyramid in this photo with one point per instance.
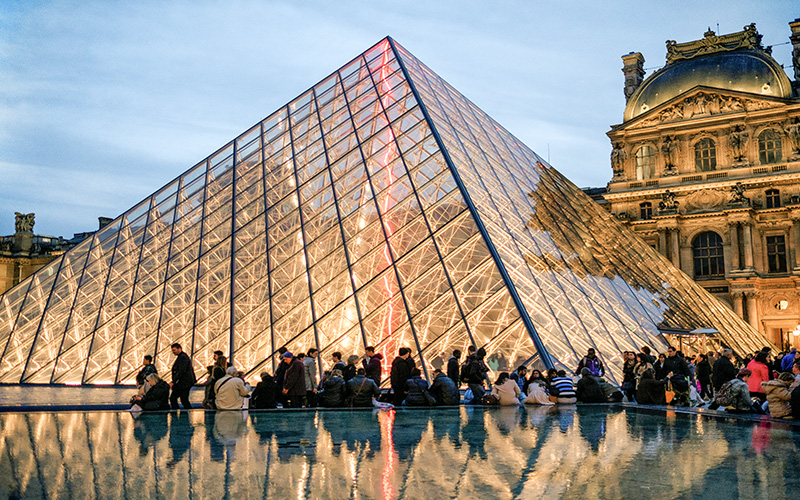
(380, 207)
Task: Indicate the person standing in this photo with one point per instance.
(310, 365)
(788, 360)
(723, 370)
(147, 368)
(338, 364)
(453, 366)
(294, 382)
(759, 373)
(703, 371)
(182, 378)
(372, 364)
(401, 372)
(592, 362)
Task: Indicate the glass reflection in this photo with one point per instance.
(544, 452)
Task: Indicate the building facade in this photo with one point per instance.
(706, 169)
(23, 253)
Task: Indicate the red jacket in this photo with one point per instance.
(760, 374)
(294, 380)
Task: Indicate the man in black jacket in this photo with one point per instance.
(361, 390)
(182, 378)
(401, 372)
(454, 367)
(444, 389)
(724, 371)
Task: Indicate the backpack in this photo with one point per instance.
(465, 372)
(725, 396)
(593, 364)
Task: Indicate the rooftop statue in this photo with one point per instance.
(23, 223)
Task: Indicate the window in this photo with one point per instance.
(705, 155)
(773, 197)
(708, 260)
(645, 163)
(769, 146)
(776, 254)
(646, 210)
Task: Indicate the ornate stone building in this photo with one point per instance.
(23, 253)
(706, 168)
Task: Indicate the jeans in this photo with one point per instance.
(477, 393)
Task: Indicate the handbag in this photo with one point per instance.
(669, 394)
(490, 399)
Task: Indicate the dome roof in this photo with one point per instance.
(752, 71)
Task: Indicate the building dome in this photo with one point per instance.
(752, 71)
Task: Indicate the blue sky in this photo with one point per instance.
(103, 102)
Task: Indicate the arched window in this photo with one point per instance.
(769, 147)
(646, 210)
(708, 260)
(645, 163)
(705, 155)
(773, 198)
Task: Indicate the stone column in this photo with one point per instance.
(734, 246)
(676, 248)
(752, 310)
(662, 242)
(738, 306)
(748, 247)
(796, 242)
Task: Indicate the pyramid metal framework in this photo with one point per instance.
(379, 207)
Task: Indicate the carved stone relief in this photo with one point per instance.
(704, 104)
(705, 200)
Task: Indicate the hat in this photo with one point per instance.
(288, 355)
(793, 349)
(744, 372)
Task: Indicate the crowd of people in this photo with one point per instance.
(758, 383)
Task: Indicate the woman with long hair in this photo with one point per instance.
(628, 375)
(506, 390)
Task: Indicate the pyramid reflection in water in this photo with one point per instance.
(380, 207)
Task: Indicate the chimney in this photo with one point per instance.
(795, 39)
(634, 72)
(104, 221)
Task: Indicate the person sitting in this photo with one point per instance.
(265, 394)
(735, 394)
(650, 390)
(351, 368)
(537, 393)
(589, 390)
(416, 389)
(562, 389)
(506, 390)
(333, 390)
(230, 391)
(535, 378)
(156, 397)
(444, 389)
(361, 390)
(778, 395)
(519, 376)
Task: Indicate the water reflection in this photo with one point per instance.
(552, 452)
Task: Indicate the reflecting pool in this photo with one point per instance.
(565, 452)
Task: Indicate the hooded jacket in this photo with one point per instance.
(778, 396)
(373, 367)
